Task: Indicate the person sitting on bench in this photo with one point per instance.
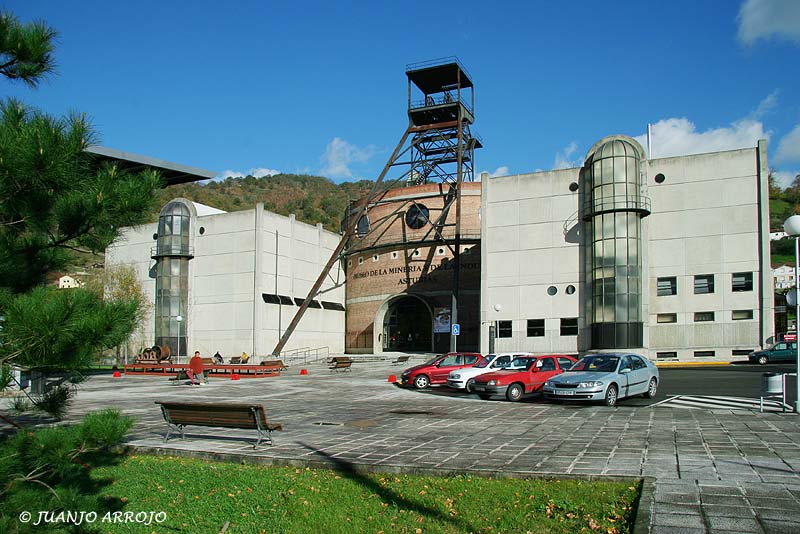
(195, 368)
(218, 359)
(244, 358)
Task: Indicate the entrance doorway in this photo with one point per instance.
(407, 326)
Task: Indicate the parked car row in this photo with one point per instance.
(605, 377)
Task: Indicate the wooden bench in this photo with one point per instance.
(341, 364)
(278, 364)
(401, 359)
(245, 416)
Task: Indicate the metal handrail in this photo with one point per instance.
(436, 100)
(593, 206)
(171, 250)
(304, 355)
(410, 67)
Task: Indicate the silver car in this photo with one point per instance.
(605, 377)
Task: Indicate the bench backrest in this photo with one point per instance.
(343, 363)
(212, 414)
(273, 363)
(208, 361)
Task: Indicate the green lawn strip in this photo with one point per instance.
(200, 496)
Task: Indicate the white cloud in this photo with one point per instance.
(762, 19)
(788, 150)
(766, 106)
(258, 172)
(679, 137)
(785, 178)
(340, 155)
(564, 158)
(499, 171)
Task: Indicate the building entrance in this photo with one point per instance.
(407, 326)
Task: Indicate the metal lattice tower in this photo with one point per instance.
(437, 147)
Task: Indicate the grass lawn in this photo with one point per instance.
(200, 497)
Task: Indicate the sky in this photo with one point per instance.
(260, 87)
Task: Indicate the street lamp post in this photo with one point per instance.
(792, 228)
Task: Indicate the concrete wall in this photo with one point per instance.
(709, 216)
(238, 257)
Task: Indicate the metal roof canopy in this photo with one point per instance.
(173, 173)
(438, 75)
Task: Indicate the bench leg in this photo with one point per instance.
(174, 428)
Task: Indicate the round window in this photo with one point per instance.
(202, 230)
(573, 187)
(660, 178)
(570, 289)
(552, 290)
(417, 216)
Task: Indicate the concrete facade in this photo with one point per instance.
(239, 261)
(708, 221)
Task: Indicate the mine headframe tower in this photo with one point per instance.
(437, 147)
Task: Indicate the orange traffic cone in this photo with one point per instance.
(392, 379)
(303, 371)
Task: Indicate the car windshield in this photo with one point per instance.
(484, 362)
(598, 364)
(433, 361)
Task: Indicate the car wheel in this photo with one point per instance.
(763, 360)
(421, 382)
(651, 389)
(484, 396)
(611, 395)
(470, 387)
(514, 392)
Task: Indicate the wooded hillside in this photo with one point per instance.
(313, 199)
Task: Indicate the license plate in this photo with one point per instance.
(479, 388)
(564, 392)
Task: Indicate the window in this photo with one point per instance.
(270, 299)
(546, 364)
(667, 286)
(742, 282)
(741, 352)
(535, 327)
(469, 359)
(286, 300)
(666, 355)
(332, 306)
(451, 360)
(741, 315)
(704, 354)
(703, 283)
(312, 304)
(565, 363)
(569, 327)
(504, 329)
(638, 363)
(502, 361)
(667, 318)
(417, 216)
(703, 317)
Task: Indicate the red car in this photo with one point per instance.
(436, 370)
(526, 375)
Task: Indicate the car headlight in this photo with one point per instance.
(455, 377)
(406, 373)
(548, 384)
(590, 384)
(491, 383)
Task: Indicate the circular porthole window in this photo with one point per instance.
(417, 216)
(155, 236)
(573, 187)
(660, 178)
(570, 289)
(552, 290)
(202, 230)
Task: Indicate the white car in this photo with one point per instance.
(465, 378)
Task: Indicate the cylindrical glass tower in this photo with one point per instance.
(614, 205)
(172, 255)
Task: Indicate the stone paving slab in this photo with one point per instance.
(714, 471)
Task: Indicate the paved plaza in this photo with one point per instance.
(705, 470)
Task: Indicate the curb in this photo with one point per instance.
(644, 508)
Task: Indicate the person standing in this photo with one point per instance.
(195, 368)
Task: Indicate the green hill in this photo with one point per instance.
(313, 199)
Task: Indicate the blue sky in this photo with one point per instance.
(319, 87)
